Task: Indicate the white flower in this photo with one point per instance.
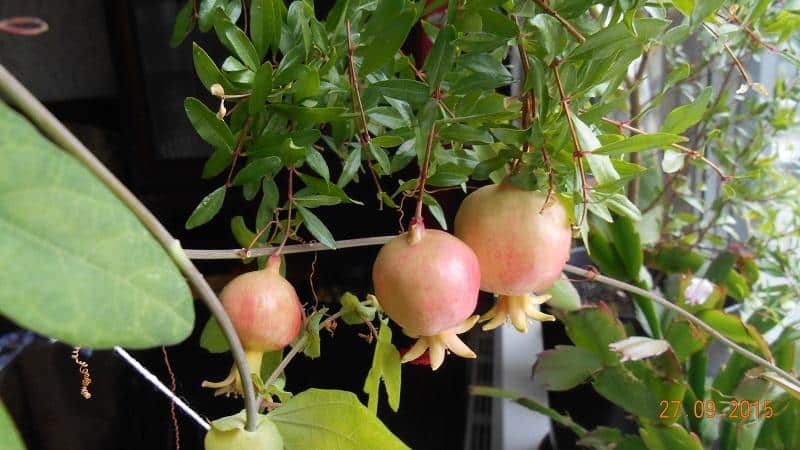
(698, 291)
(635, 348)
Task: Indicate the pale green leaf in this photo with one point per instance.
(208, 207)
(9, 436)
(386, 367)
(683, 117)
(316, 227)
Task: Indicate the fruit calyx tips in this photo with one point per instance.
(438, 345)
(517, 309)
(232, 384)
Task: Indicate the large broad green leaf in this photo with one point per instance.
(9, 436)
(565, 367)
(75, 264)
(319, 419)
(386, 367)
(593, 328)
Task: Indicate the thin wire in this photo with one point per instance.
(152, 379)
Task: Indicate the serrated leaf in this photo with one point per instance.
(208, 125)
(593, 328)
(75, 263)
(9, 436)
(208, 207)
(256, 170)
(318, 419)
(316, 227)
(386, 368)
(262, 86)
(565, 367)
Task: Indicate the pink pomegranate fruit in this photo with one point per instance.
(428, 281)
(522, 246)
(266, 313)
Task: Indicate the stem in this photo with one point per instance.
(423, 174)
(289, 200)
(59, 134)
(578, 154)
(533, 405)
(568, 26)
(238, 150)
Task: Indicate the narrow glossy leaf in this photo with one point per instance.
(256, 170)
(317, 162)
(441, 57)
(9, 436)
(316, 200)
(386, 368)
(237, 42)
(320, 186)
(388, 140)
(316, 227)
(207, 209)
(243, 235)
(351, 166)
(75, 263)
(683, 117)
(703, 9)
(266, 21)
(436, 210)
(383, 159)
(217, 163)
(309, 115)
(269, 201)
(639, 143)
(206, 13)
(212, 339)
(411, 91)
(318, 419)
(381, 50)
(262, 86)
(601, 166)
(207, 71)
(184, 22)
(207, 125)
(565, 367)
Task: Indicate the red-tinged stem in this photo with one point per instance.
(238, 150)
(289, 200)
(423, 175)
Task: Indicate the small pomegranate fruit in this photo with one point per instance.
(229, 433)
(522, 246)
(428, 281)
(266, 313)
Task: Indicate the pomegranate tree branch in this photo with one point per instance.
(358, 107)
(238, 150)
(58, 133)
(578, 154)
(289, 201)
(689, 152)
(423, 173)
(564, 23)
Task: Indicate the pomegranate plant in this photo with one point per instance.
(522, 243)
(301, 106)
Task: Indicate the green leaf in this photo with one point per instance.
(683, 117)
(601, 166)
(317, 162)
(243, 235)
(207, 125)
(266, 21)
(75, 263)
(639, 143)
(672, 437)
(382, 49)
(734, 329)
(684, 6)
(354, 312)
(565, 367)
(685, 338)
(593, 328)
(386, 367)
(673, 259)
(351, 166)
(311, 332)
(206, 13)
(564, 295)
(320, 186)
(319, 419)
(237, 42)
(411, 91)
(217, 163)
(9, 436)
(309, 116)
(208, 207)
(207, 71)
(441, 57)
(316, 227)
(628, 245)
(184, 22)
(269, 201)
(383, 159)
(703, 9)
(436, 210)
(622, 387)
(262, 86)
(212, 338)
(256, 170)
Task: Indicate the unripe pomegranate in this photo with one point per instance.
(428, 281)
(266, 313)
(229, 433)
(522, 246)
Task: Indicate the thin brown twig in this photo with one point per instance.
(289, 200)
(311, 280)
(358, 107)
(238, 150)
(172, 386)
(83, 369)
(579, 153)
(568, 26)
(423, 174)
(689, 152)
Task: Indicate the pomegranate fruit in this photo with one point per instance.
(522, 246)
(428, 281)
(229, 433)
(266, 313)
